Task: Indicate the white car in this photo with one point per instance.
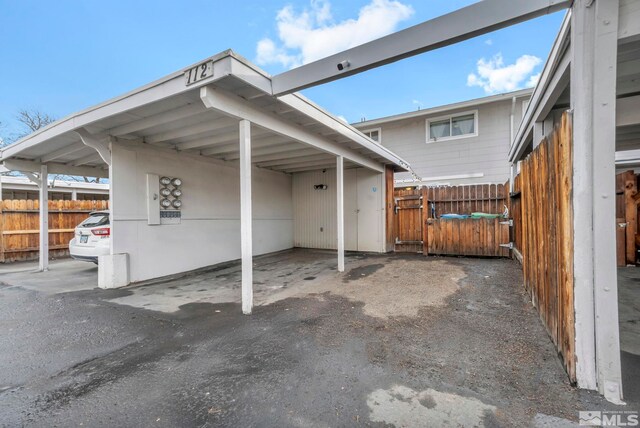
(92, 237)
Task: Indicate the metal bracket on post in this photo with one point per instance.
(509, 245)
(509, 222)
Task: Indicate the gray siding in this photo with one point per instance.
(484, 154)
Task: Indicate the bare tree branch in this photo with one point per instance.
(32, 120)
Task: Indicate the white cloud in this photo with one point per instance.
(494, 76)
(533, 80)
(312, 34)
(488, 42)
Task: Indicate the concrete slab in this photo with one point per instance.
(629, 309)
(467, 348)
(300, 272)
(64, 275)
(629, 318)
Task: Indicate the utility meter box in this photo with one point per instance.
(164, 201)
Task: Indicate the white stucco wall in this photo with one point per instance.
(484, 154)
(210, 228)
(315, 216)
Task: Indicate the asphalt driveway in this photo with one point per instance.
(394, 341)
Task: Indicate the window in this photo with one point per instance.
(96, 219)
(461, 125)
(374, 134)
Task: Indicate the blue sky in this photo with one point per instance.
(63, 56)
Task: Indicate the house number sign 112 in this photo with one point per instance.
(198, 73)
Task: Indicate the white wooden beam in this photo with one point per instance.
(340, 210)
(158, 119)
(98, 144)
(554, 80)
(93, 157)
(593, 92)
(213, 140)
(628, 111)
(246, 234)
(542, 95)
(231, 152)
(187, 131)
(44, 219)
(292, 170)
(604, 191)
(55, 168)
(267, 146)
(283, 153)
(323, 157)
(462, 24)
(241, 109)
(316, 163)
(217, 140)
(582, 39)
(67, 150)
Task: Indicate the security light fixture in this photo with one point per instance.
(343, 64)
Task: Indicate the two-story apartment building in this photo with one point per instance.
(462, 143)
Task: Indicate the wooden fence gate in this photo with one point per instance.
(419, 227)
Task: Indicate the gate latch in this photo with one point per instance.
(509, 245)
(509, 222)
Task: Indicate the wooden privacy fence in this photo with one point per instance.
(545, 213)
(467, 199)
(468, 237)
(20, 226)
(626, 218)
(419, 228)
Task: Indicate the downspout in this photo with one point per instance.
(512, 174)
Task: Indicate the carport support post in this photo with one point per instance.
(44, 218)
(340, 209)
(245, 217)
(594, 30)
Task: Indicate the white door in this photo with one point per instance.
(369, 208)
(350, 210)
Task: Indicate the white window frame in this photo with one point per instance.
(451, 117)
(365, 131)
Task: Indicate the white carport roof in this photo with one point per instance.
(292, 134)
